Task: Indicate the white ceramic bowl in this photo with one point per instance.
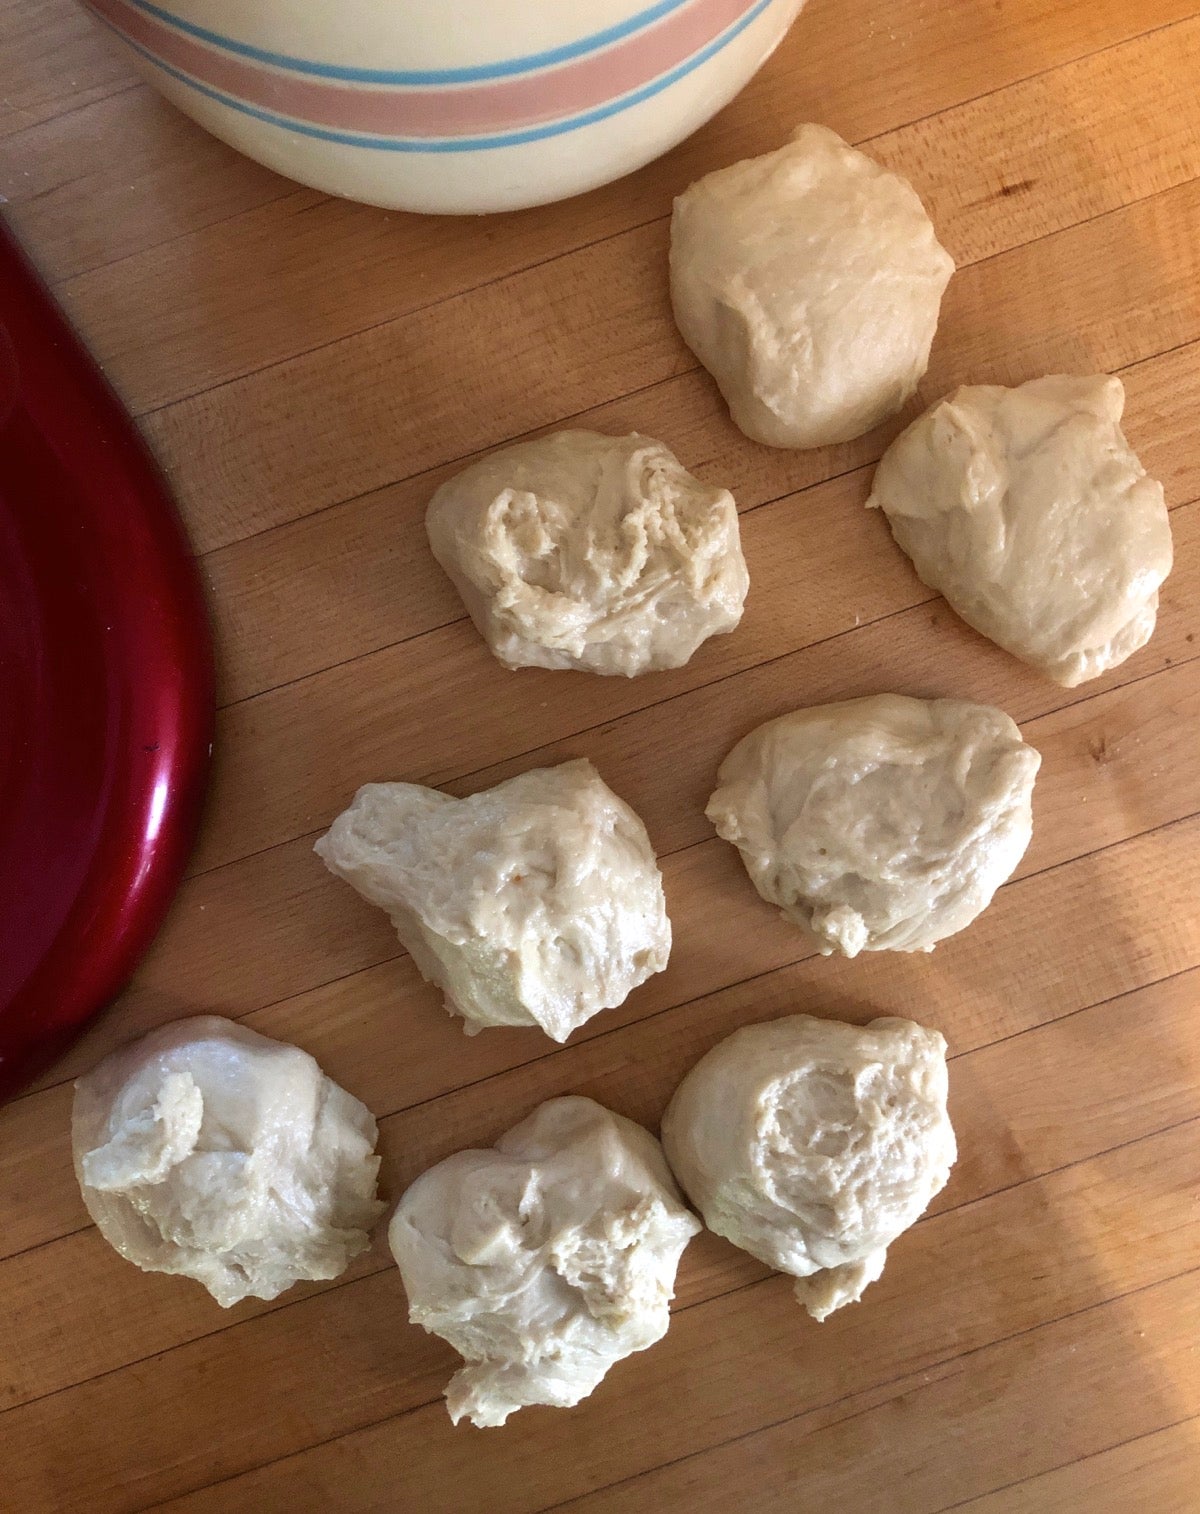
(450, 105)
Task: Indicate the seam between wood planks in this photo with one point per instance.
(1078, 1461)
(679, 851)
(683, 1004)
(967, 1203)
(412, 478)
(790, 1418)
(714, 683)
(779, 499)
(142, 414)
(941, 1363)
(295, 186)
(7, 138)
(713, 1298)
(688, 368)
(61, 287)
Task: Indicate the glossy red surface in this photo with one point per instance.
(106, 685)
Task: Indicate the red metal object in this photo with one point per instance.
(106, 685)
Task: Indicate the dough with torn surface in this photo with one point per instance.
(879, 824)
(585, 551)
(808, 282)
(1030, 512)
(207, 1150)
(813, 1144)
(537, 902)
(544, 1260)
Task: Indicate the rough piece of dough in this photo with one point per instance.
(879, 824)
(545, 1260)
(1029, 511)
(808, 282)
(207, 1150)
(537, 902)
(813, 1144)
(585, 551)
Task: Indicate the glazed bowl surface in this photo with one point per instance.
(455, 106)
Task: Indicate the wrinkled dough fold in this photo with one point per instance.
(808, 282)
(207, 1150)
(544, 1260)
(1030, 512)
(537, 902)
(879, 824)
(813, 1145)
(592, 552)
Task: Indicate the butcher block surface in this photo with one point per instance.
(308, 371)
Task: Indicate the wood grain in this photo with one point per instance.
(1062, 128)
(309, 371)
(1109, 1480)
(407, 396)
(797, 1372)
(360, 568)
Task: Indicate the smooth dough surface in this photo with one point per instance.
(544, 1260)
(879, 824)
(585, 551)
(207, 1150)
(808, 282)
(537, 902)
(813, 1144)
(1029, 511)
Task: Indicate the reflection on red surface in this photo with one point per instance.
(106, 685)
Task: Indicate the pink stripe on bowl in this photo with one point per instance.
(446, 110)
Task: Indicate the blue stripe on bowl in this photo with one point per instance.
(459, 144)
(418, 78)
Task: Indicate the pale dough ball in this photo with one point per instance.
(808, 282)
(207, 1150)
(813, 1144)
(545, 1260)
(537, 902)
(879, 824)
(1029, 511)
(585, 551)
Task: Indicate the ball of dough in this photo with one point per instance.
(545, 1260)
(537, 902)
(1029, 511)
(207, 1150)
(808, 282)
(879, 824)
(813, 1144)
(587, 551)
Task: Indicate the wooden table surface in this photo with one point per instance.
(308, 371)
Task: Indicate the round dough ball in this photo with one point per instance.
(207, 1150)
(1029, 511)
(585, 551)
(537, 902)
(879, 824)
(545, 1260)
(808, 282)
(813, 1144)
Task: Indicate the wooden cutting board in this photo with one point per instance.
(308, 370)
